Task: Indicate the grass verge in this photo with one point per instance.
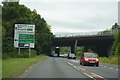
(12, 68)
(110, 60)
(78, 57)
(0, 68)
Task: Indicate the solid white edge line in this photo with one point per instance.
(89, 76)
(97, 75)
(81, 68)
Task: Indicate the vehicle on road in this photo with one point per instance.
(71, 56)
(55, 55)
(89, 59)
(65, 55)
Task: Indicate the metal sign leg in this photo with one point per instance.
(19, 52)
(29, 52)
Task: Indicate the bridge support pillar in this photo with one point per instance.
(109, 50)
(74, 47)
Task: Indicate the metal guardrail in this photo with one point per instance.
(84, 34)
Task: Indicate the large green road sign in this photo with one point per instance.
(24, 35)
(26, 38)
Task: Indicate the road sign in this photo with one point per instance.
(24, 36)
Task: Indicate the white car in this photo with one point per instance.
(71, 56)
(65, 55)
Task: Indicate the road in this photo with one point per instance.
(54, 67)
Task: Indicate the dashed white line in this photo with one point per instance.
(111, 68)
(75, 67)
(105, 66)
(116, 69)
(89, 76)
(74, 61)
(81, 68)
(97, 75)
(70, 63)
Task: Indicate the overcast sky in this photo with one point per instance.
(76, 15)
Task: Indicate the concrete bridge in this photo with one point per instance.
(100, 43)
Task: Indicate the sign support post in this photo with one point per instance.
(19, 51)
(29, 52)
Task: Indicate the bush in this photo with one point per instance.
(117, 50)
(116, 44)
(33, 53)
(25, 53)
(9, 55)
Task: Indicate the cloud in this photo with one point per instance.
(77, 16)
(69, 0)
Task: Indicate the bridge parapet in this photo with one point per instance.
(84, 34)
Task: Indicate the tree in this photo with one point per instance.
(14, 13)
(115, 27)
(116, 44)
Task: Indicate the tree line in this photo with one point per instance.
(15, 13)
(116, 43)
(115, 30)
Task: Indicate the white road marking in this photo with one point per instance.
(97, 75)
(111, 68)
(89, 76)
(26, 71)
(75, 67)
(116, 69)
(105, 66)
(74, 61)
(81, 68)
(70, 63)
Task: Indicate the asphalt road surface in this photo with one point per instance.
(54, 67)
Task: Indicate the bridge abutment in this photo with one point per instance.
(74, 47)
(104, 50)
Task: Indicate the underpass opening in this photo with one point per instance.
(64, 51)
(57, 51)
(101, 44)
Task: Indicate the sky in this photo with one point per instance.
(75, 16)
